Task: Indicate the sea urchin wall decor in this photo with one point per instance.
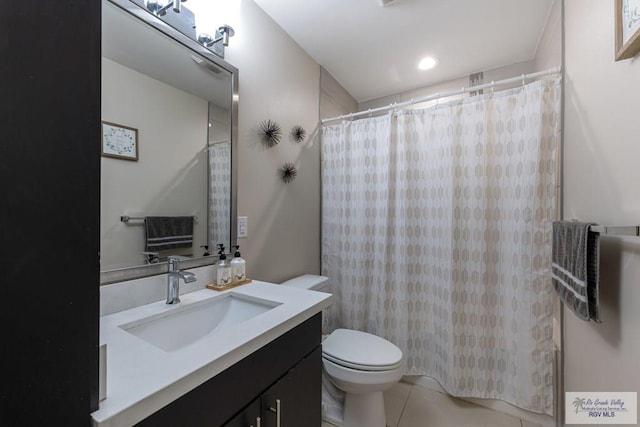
(270, 133)
(288, 172)
(298, 133)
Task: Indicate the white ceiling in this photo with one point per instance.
(373, 51)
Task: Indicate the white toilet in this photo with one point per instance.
(360, 364)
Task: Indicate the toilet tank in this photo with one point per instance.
(308, 281)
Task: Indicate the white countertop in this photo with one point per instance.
(142, 378)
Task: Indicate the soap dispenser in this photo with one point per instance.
(238, 267)
(223, 268)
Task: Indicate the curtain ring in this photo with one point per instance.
(523, 82)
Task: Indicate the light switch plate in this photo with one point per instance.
(243, 227)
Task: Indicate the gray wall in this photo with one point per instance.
(278, 81)
(334, 99)
(601, 176)
(549, 52)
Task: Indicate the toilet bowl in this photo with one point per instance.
(362, 365)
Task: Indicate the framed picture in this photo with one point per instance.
(627, 28)
(120, 142)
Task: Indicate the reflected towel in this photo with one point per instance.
(575, 267)
(168, 232)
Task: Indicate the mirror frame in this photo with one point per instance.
(136, 272)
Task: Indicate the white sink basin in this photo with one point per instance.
(184, 325)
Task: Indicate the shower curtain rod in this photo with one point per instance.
(394, 105)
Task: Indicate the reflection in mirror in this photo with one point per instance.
(181, 102)
(219, 148)
(204, 21)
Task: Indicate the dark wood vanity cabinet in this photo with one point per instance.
(288, 370)
(294, 400)
(251, 416)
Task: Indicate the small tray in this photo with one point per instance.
(225, 287)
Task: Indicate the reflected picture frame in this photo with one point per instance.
(627, 35)
(119, 141)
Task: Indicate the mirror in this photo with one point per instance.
(182, 101)
(204, 21)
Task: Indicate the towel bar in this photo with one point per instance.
(616, 230)
(127, 218)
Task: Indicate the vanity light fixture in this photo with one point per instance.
(159, 9)
(210, 26)
(428, 63)
(204, 31)
(222, 35)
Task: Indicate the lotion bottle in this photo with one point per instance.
(223, 268)
(238, 267)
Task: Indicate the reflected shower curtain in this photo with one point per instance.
(436, 234)
(219, 195)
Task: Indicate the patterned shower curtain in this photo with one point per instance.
(219, 195)
(436, 234)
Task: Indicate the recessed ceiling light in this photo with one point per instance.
(428, 63)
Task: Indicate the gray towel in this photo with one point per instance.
(575, 267)
(168, 232)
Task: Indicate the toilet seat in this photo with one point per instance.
(360, 367)
(361, 351)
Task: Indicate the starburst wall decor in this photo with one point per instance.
(270, 133)
(288, 172)
(298, 133)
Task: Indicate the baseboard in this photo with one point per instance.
(495, 405)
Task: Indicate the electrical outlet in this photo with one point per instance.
(243, 227)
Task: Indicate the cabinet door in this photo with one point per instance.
(296, 399)
(249, 417)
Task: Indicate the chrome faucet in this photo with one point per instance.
(173, 280)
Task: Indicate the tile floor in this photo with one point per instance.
(409, 405)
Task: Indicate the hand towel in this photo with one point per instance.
(575, 267)
(168, 232)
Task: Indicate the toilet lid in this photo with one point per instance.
(360, 350)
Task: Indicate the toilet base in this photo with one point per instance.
(364, 410)
(332, 402)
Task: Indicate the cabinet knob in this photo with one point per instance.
(277, 411)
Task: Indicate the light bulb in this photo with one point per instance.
(428, 63)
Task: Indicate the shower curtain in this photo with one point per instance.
(219, 195)
(436, 231)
